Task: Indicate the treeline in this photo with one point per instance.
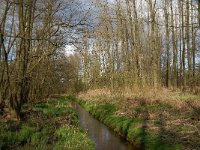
(144, 43)
(33, 61)
(122, 43)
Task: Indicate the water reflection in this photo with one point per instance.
(104, 138)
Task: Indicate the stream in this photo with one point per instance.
(104, 138)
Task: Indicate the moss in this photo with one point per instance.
(157, 122)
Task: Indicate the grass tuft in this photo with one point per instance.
(47, 125)
(152, 118)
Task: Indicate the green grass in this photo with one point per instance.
(50, 125)
(73, 138)
(130, 128)
(187, 96)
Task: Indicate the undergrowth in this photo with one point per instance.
(133, 129)
(46, 125)
(148, 121)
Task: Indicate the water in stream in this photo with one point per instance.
(104, 138)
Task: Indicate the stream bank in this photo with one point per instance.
(103, 137)
(48, 124)
(134, 130)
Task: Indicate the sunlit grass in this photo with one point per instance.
(129, 128)
(73, 138)
(187, 96)
(55, 126)
(152, 117)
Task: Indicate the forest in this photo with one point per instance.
(134, 65)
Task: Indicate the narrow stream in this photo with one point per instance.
(104, 138)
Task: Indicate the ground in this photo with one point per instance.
(162, 119)
(48, 124)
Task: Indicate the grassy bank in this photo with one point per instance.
(52, 124)
(149, 122)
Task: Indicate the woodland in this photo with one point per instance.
(140, 56)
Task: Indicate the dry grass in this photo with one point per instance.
(180, 111)
(175, 98)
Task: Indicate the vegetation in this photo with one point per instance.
(33, 60)
(147, 121)
(136, 62)
(46, 125)
(128, 45)
(144, 44)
